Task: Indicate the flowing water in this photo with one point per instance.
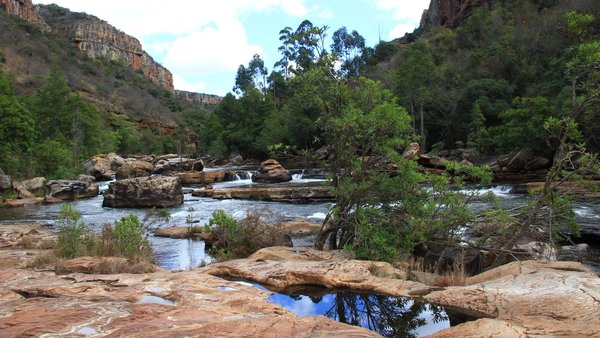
(390, 316)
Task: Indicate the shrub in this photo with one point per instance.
(131, 238)
(75, 238)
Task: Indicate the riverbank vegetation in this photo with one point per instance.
(127, 239)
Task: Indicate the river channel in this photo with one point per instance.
(390, 316)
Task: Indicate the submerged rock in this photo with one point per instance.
(144, 192)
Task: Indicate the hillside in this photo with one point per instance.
(138, 110)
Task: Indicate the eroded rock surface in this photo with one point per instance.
(161, 304)
(558, 299)
(70, 189)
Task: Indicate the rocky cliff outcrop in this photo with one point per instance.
(26, 11)
(451, 13)
(101, 40)
(199, 98)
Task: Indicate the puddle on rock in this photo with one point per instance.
(149, 299)
(87, 330)
(158, 289)
(227, 288)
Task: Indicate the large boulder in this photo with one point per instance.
(30, 184)
(172, 162)
(70, 189)
(133, 169)
(144, 192)
(270, 171)
(100, 167)
(205, 177)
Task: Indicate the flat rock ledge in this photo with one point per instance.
(294, 195)
(527, 299)
(162, 304)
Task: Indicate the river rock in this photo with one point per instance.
(24, 193)
(557, 299)
(100, 167)
(133, 169)
(144, 192)
(11, 233)
(343, 274)
(30, 184)
(236, 160)
(299, 227)
(175, 232)
(270, 171)
(288, 194)
(22, 202)
(85, 178)
(5, 182)
(205, 177)
(537, 163)
(172, 162)
(70, 189)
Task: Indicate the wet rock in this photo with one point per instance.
(292, 195)
(270, 171)
(537, 163)
(206, 177)
(144, 192)
(552, 299)
(22, 202)
(68, 190)
(133, 169)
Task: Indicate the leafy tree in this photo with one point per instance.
(349, 47)
(17, 131)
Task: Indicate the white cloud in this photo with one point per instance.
(181, 84)
(211, 50)
(400, 30)
(405, 10)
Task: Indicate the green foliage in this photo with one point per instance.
(75, 238)
(131, 238)
(230, 236)
(579, 24)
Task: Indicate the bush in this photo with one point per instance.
(75, 238)
(131, 238)
(229, 239)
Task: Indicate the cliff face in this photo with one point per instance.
(200, 98)
(451, 13)
(101, 40)
(26, 11)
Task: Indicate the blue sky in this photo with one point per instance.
(203, 42)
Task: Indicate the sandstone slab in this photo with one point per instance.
(285, 194)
